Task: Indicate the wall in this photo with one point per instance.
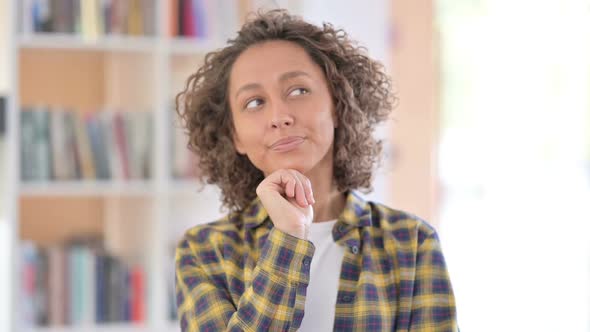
(4, 49)
(5, 230)
(415, 132)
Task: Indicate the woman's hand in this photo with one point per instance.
(287, 196)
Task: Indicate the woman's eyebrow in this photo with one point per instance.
(284, 77)
(249, 86)
(292, 74)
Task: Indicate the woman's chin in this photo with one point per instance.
(300, 167)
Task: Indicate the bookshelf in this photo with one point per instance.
(136, 219)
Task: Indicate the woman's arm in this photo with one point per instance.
(433, 302)
(274, 300)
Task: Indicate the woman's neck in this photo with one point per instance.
(329, 206)
(329, 200)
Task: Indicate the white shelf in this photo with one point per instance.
(87, 188)
(76, 42)
(114, 188)
(108, 327)
(118, 43)
(189, 46)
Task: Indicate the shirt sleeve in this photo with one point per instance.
(433, 302)
(274, 300)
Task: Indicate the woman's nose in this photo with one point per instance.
(281, 117)
(284, 121)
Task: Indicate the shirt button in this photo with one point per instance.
(341, 228)
(355, 249)
(306, 262)
(346, 298)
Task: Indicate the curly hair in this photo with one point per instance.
(360, 89)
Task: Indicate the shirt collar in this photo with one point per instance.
(357, 212)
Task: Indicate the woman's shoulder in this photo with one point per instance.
(223, 230)
(401, 225)
(382, 219)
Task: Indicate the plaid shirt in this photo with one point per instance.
(242, 274)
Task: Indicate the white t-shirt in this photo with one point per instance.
(322, 290)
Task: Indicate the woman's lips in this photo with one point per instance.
(286, 144)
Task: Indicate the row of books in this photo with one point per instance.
(208, 19)
(58, 144)
(78, 284)
(90, 18)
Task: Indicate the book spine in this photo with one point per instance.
(101, 316)
(99, 147)
(75, 288)
(42, 168)
(56, 286)
(112, 276)
(137, 297)
(135, 18)
(188, 19)
(181, 18)
(106, 8)
(89, 284)
(42, 289)
(89, 19)
(28, 281)
(173, 19)
(121, 144)
(58, 145)
(130, 129)
(84, 153)
(148, 9)
(27, 132)
(110, 146)
(71, 151)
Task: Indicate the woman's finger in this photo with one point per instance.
(308, 191)
(288, 183)
(299, 190)
(306, 187)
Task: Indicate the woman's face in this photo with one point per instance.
(282, 108)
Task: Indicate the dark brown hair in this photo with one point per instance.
(359, 86)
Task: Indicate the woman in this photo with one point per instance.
(282, 120)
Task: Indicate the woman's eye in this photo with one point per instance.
(254, 103)
(298, 91)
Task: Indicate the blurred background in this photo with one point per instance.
(490, 143)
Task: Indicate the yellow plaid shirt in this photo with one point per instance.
(242, 274)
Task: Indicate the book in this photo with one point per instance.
(57, 282)
(28, 282)
(62, 144)
(98, 147)
(77, 283)
(135, 18)
(72, 163)
(84, 162)
(42, 161)
(137, 298)
(91, 19)
(58, 145)
(27, 152)
(120, 142)
(173, 18)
